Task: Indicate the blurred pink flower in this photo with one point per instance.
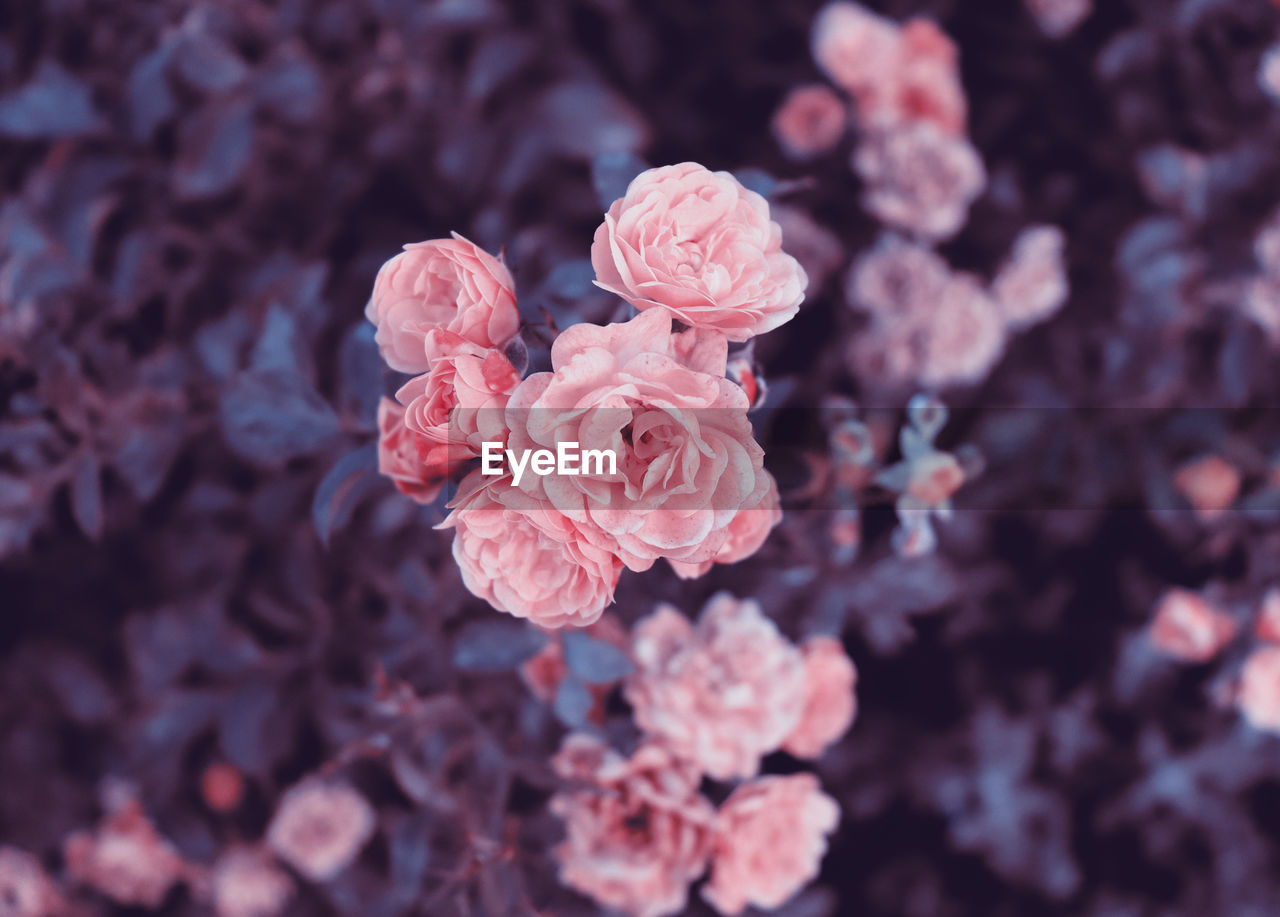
(1258, 695)
(25, 889)
(320, 826)
(770, 838)
(809, 122)
(126, 859)
(720, 694)
(702, 245)
(1269, 72)
(637, 830)
(1059, 18)
(450, 284)
(688, 464)
(928, 79)
(1189, 628)
(830, 702)
(1031, 285)
(1267, 626)
(417, 466)
(525, 557)
(247, 883)
(459, 403)
(1210, 484)
(856, 48)
(919, 179)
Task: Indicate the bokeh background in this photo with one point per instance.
(208, 595)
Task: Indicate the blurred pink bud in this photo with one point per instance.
(1210, 484)
(247, 883)
(1268, 624)
(320, 826)
(830, 702)
(720, 694)
(1031, 285)
(126, 859)
(771, 836)
(449, 284)
(637, 830)
(855, 47)
(1269, 72)
(967, 337)
(1059, 18)
(928, 78)
(25, 889)
(1258, 695)
(1189, 628)
(919, 179)
(810, 121)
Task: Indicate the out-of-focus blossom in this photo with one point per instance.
(637, 830)
(25, 889)
(855, 47)
(417, 466)
(222, 787)
(1031, 285)
(1258, 694)
(1210, 484)
(920, 179)
(320, 826)
(246, 883)
(703, 246)
(830, 705)
(1267, 626)
(449, 284)
(1059, 18)
(1269, 72)
(688, 464)
(770, 838)
(1188, 627)
(125, 859)
(813, 245)
(720, 694)
(525, 557)
(810, 121)
(928, 79)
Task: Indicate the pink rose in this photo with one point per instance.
(637, 830)
(1189, 628)
(1258, 696)
(320, 827)
(526, 558)
(746, 533)
(720, 694)
(829, 700)
(416, 465)
(702, 245)
(1032, 283)
(928, 78)
(460, 402)
(810, 121)
(687, 462)
(771, 836)
(856, 48)
(451, 284)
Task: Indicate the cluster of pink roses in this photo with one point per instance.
(684, 245)
(712, 698)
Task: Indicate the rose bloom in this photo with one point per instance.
(637, 830)
(451, 284)
(771, 836)
(830, 703)
(523, 556)
(319, 827)
(928, 78)
(1031, 285)
(746, 533)
(246, 883)
(25, 889)
(810, 121)
(126, 859)
(687, 461)
(416, 465)
(856, 48)
(720, 694)
(702, 245)
(1258, 695)
(920, 179)
(1189, 628)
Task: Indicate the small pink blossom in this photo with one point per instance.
(320, 826)
(449, 284)
(855, 47)
(1258, 695)
(830, 702)
(687, 461)
(1210, 484)
(637, 830)
(1059, 18)
(770, 838)
(810, 121)
(1267, 626)
(416, 465)
(720, 694)
(928, 79)
(1031, 285)
(525, 557)
(919, 178)
(126, 859)
(247, 883)
(1189, 628)
(25, 889)
(703, 246)
(1269, 72)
